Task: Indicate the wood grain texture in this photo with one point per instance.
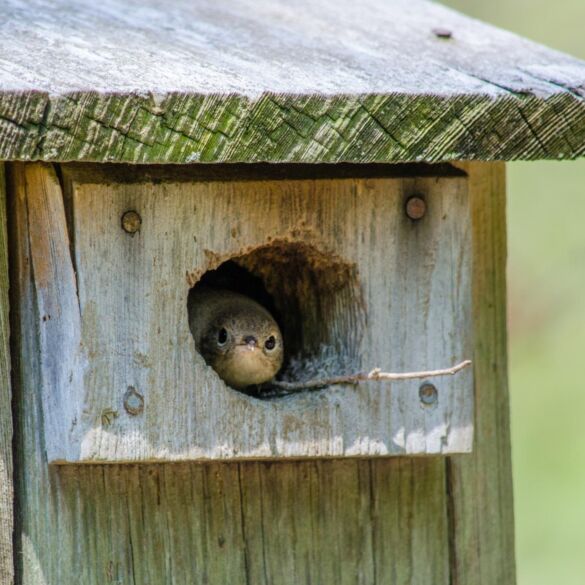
(266, 80)
(384, 521)
(268, 524)
(396, 295)
(480, 486)
(56, 302)
(6, 483)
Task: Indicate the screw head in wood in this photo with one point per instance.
(131, 222)
(428, 394)
(416, 207)
(442, 33)
(133, 401)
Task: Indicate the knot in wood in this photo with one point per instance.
(428, 394)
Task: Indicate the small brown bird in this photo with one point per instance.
(236, 336)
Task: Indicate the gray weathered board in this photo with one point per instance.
(274, 80)
(421, 521)
(6, 469)
(403, 305)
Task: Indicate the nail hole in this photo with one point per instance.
(133, 401)
(131, 222)
(428, 394)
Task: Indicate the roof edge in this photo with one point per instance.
(187, 128)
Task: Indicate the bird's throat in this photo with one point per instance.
(244, 366)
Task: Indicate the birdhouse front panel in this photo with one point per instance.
(343, 271)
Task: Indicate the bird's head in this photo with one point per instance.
(244, 347)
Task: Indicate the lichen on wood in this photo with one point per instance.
(241, 81)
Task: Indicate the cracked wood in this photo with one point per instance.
(266, 80)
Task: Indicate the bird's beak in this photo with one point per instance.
(251, 342)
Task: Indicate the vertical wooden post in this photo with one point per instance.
(6, 486)
(480, 486)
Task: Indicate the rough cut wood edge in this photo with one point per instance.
(289, 128)
(480, 486)
(241, 81)
(6, 485)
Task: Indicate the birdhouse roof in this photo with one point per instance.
(273, 80)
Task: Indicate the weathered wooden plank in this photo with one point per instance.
(386, 521)
(252, 523)
(480, 486)
(56, 302)
(6, 483)
(344, 265)
(229, 81)
(263, 524)
(26, 375)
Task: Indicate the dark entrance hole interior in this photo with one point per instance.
(315, 297)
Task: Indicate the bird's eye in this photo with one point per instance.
(270, 343)
(222, 336)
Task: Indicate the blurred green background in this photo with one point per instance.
(546, 296)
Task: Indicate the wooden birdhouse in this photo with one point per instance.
(342, 167)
